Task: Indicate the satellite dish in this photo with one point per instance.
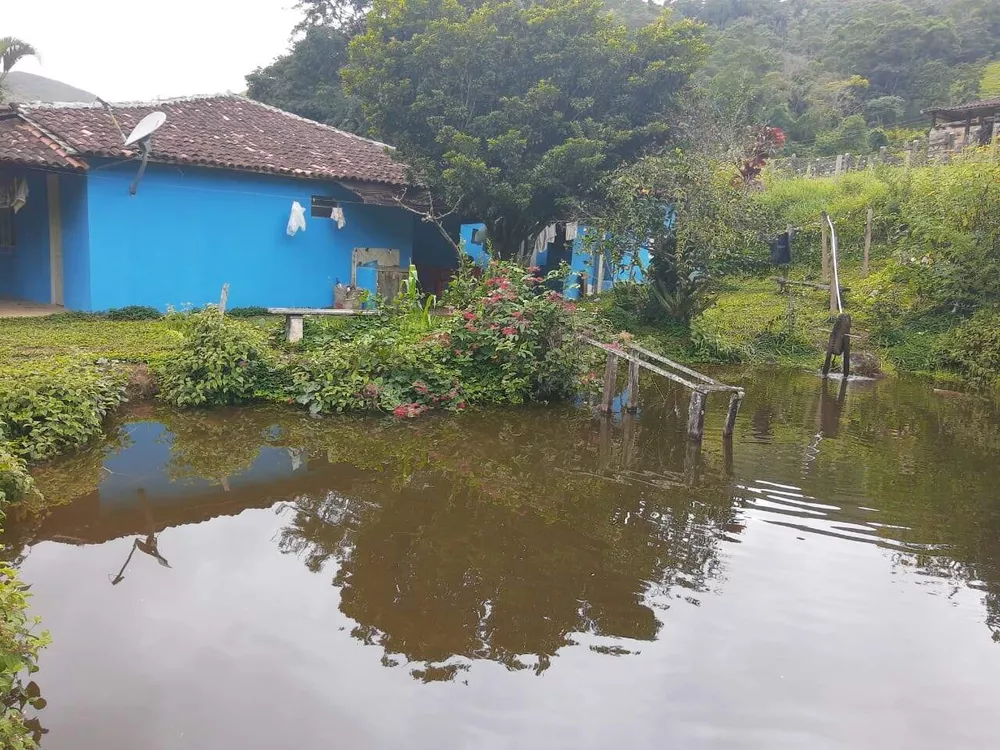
(146, 127)
(141, 134)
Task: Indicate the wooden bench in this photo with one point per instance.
(294, 316)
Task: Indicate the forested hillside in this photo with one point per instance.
(836, 75)
(841, 75)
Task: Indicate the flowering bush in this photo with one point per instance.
(514, 341)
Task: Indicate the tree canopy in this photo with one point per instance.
(515, 113)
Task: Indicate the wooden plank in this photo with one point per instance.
(675, 365)
(317, 311)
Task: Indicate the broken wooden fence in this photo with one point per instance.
(699, 385)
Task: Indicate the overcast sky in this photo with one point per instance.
(128, 50)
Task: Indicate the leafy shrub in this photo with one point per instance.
(19, 647)
(15, 481)
(378, 370)
(973, 348)
(251, 311)
(46, 413)
(133, 313)
(219, 362)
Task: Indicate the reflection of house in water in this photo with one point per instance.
(477, 550)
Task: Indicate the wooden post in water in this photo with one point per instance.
(633, 386)
(610, 376)
(868, 242)
(696, 416)
(825, 239)
(734, 409)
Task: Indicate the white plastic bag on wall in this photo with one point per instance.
(297, 219)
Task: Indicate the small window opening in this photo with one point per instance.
(322, 207)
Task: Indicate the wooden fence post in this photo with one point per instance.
(734, 409)
(696, 416)
(825, 238)
(224, 298)
(840, 165)
(610, 376)
(633, 386)
(868, 242)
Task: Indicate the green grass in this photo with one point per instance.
(30, 342)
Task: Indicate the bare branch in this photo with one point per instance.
(431, 217)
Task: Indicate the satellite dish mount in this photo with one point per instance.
(142, 136)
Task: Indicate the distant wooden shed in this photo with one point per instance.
(968, 125)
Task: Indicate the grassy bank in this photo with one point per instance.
(751, 322)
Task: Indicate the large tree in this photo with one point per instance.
(513, 113)
(306, 81)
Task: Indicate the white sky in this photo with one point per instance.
(128, 50)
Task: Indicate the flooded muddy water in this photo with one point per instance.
(535, 578)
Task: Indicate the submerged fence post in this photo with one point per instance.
(696, 416)
(610, 376)
(633, 386)
(734, 409)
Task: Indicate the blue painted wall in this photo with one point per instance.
(24, 272)
(190, 230)
(75, 241)
(475, 251)
(582, 261)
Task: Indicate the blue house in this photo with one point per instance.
(212, 207)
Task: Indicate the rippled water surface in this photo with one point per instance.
(537, 578)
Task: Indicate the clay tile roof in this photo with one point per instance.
(982, 104)
(21, 143)
(224, 131)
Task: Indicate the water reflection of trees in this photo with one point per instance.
(501, 539)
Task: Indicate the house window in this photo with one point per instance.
(7, 239)
(322, 207)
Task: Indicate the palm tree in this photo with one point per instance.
(12, 51)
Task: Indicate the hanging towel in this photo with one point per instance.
(540, 243)
(14, 193)
(337, 214)
(296, 219)
(572, 229)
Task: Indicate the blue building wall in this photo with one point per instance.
(75, 241)
(631, 268)
(24, 271)
(189, 230)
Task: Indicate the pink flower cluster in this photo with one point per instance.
(409, 411)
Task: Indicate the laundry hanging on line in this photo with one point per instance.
(13, 193)
(296, 219)
(337, 214)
